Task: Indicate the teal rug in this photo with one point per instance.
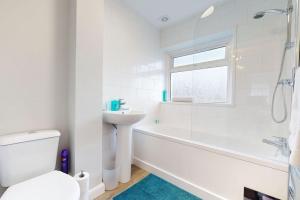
(155, 188)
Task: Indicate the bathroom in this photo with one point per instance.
(199, 96)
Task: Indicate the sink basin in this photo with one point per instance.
(123, 117)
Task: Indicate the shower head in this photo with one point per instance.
(261, 14)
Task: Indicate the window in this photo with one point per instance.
(204, 76)
(196, 58)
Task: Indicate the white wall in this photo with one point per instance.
(259, 46)
(133, 68)
(51, 74)
(86, 89)
(34, 66)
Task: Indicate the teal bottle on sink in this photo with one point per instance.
(115, 105)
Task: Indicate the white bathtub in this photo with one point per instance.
(211, 167)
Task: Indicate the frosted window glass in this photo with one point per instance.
(205, 56)
(204, 85)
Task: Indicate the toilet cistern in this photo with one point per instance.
(123, 121)
(27, 167)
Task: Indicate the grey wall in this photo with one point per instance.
(34, 66)
(86, 88)
(51, 72)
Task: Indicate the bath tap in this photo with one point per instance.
(281, 143)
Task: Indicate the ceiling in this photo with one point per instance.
(175, 10)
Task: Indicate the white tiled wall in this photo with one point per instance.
(259, 47)
(134, 68)
(133, 64)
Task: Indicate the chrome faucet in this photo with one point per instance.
(280, 142)
(122, 103)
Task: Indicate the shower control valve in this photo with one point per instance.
(288, 82)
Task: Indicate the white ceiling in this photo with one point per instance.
(176, 10)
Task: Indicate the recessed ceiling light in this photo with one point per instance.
(209, 11)
(164, 19)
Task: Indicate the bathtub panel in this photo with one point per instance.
(155, 151)
(223, 175)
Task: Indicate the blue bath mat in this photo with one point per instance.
(155, 188)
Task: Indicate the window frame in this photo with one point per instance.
(228, 61)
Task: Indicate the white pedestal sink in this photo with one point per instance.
(123, 120)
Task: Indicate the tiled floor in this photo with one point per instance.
(137, 175)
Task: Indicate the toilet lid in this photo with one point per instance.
(54, 185)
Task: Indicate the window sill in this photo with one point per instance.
(198, 104)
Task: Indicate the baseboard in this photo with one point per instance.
(97, 191)
(180, 182)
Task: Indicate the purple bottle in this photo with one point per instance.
(64, 167)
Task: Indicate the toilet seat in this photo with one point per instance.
(51, 186)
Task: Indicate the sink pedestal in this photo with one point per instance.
(123, 120)
(124, 152)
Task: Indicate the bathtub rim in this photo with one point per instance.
(217, 150)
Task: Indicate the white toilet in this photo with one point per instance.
(27, 163)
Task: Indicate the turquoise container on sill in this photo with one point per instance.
(164, 96)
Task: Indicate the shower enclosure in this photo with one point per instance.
(234, 70)
(288, 45)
